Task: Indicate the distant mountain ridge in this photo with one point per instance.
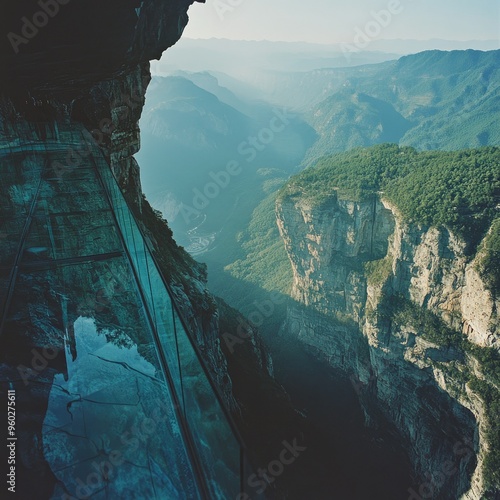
(431, 100)
(193, 131)
(187, 115)
(218, 54)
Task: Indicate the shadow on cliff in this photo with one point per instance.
(288, 394)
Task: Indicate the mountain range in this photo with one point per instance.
(195, 124)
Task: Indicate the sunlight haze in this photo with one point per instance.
(334, 21)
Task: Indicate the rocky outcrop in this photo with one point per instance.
(354, 264)
(90, 63)
(66, 46)
(479, 311)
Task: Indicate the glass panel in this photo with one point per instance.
(164, 322)
(68, 236)
(110, 371)
(110, 420)
(217, 447)
(20, 174)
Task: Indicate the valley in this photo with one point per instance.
(250, 250)
(424, 102)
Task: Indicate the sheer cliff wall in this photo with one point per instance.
(367, 288)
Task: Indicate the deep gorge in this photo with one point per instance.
(357, 371)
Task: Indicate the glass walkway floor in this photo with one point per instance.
(112, 398)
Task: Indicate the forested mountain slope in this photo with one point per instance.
(431, 100)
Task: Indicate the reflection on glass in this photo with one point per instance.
(129, 401)
(116, 421)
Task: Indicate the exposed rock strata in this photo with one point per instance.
(408, 378)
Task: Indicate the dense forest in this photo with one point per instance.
(434, 100)
(459, 189)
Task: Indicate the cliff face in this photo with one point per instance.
(68, 45)
(90, 63)
(352, 262)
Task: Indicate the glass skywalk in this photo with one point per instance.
(114, 391)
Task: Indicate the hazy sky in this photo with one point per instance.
(332, 21)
